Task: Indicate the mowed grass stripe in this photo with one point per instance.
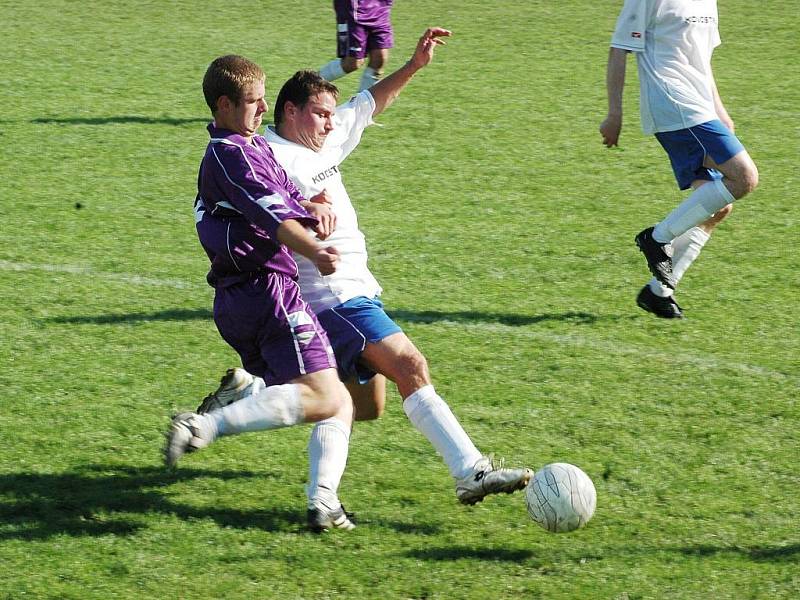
(599, 345)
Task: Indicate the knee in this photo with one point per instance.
(747, 180)
(328, 405)
(751, 178)
(378, 59)
(351, 63)
(324, 396)
(413, 367)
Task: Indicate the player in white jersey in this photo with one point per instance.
(311, 138)
(679, 103)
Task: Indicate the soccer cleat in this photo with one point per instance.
(490, 477)
(666, 308)
(188, 432)
(321, 518)
(659, 257)
(234, 385)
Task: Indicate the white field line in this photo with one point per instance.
(606, 347)
(128, 278)
(611, 347)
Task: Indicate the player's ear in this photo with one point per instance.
(224, 104)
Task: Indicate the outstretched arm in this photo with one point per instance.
(386, 90)
(615, 82)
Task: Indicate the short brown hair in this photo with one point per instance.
(300, 88)
(227, 76)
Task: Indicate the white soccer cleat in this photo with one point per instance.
(321, 518)
(234, 385)
(490, 477)
(189, 432)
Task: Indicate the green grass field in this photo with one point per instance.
(502, 231)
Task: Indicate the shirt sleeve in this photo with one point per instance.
(351, 119)
(715, 39)
(631, 24)
(265, 197)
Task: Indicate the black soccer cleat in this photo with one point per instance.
(659, 257)
(666, 308)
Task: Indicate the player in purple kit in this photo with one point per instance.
(363, 29)
(249, 215)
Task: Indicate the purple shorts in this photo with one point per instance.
(272, 329)
(362, 26)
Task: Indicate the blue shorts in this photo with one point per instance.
(350, 327)
(688, 148)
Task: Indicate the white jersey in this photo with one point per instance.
(673, 41)
(313, 172)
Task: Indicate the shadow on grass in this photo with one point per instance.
(123, 119)
(460, 552)
(432, 316)
(164, 315)
(786, 553)
(402, 316)
(101, 500)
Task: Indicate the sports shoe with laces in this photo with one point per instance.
(666, 308)
(321, 518)
(490, 477)
(187, 433)
(658, 255)
(234, 385)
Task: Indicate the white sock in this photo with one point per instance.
(273, 407)
(332, 70)
(699, 206)
(368, 78)
(434, 419)
(686, 248)
(327, 458)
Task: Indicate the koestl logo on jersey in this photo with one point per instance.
(703, 20)
(323, 175)
(636, 34)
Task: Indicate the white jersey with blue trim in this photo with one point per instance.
(313, 172)
(673, 41)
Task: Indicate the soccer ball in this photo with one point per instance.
(560, 497)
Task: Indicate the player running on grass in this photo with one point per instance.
(363, 30)
(673, 41)
(311, 137)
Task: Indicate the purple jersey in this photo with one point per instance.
(242, 184)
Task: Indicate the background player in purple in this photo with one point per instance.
(249, 215)
(363, 29)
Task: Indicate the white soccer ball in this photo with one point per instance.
(560, 497)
